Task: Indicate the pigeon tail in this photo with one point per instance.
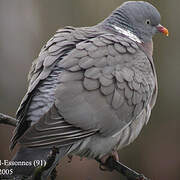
(26, 161)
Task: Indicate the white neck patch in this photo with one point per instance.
(128, 33)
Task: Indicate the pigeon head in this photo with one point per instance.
(137, 17)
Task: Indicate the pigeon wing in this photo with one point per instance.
(106, 83)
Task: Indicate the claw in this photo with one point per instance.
(104, 161)
(69, 158)
(103, 168)
(106, 166)
(114, 155)
(111, 164)
(142, 177)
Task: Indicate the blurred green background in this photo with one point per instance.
(26, 25)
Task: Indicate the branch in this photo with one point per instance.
(130, 174)
(5, 119)
(50, 160)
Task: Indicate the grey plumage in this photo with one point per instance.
(91, 89)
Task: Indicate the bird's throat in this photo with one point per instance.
(148, 47)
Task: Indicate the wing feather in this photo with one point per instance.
(93, 98)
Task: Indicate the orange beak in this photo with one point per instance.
(162, 29)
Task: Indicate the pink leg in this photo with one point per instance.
(103, 160)
(114, 154)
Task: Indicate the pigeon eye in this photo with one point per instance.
(148, 21)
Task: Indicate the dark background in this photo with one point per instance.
(26, 25)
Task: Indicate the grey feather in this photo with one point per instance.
(108, 71)
(49, 60)
(136, 98)
(119, 48)
(118, 99)
(91, 84)
(112, 51)
(93, 73)
(53, 49)
(70, 63)
(135, 85)
(102, 51)
(119, 76)
(98, 43)
(86, 62)
(105, 81)
(106, 90)
(101, 62)
(131, 50)
(125, 43)
(65, 77)
(128, 92)
(75, 68)
(80, 53)
(127, 74)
